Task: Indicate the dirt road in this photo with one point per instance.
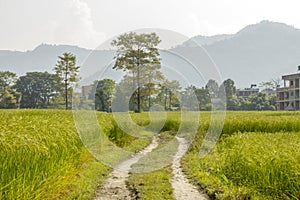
(114, 187)
(182, 188)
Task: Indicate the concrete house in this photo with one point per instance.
(246, 92)
(288, 95)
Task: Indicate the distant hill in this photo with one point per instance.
(44, 57)
(206, 40)
(258, 52)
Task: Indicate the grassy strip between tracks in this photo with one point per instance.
(155, 184)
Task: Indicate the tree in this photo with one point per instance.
(269, 87)
(213, 88)
(230, 90)
(153, 77)
(37, 89)
(198, 98)
(104, 92)
(8, 96)
(67, 73)
(276, 82)
(169, 94)
(122, 96)
(137, 54)
(261, 101)
(204, 98)
(229, 87)
(189, 99)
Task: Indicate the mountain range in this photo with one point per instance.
(257, 53)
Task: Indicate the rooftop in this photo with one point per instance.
(291, 76)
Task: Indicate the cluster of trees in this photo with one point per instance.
(264, 100)
(109, 95)
(40, 89)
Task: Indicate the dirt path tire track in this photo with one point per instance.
(183, 190)
(114, 187)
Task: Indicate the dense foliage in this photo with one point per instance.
(40, 89)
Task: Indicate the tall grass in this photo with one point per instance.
(267, 163)
(42, 156)
(269, 122)
(257, 157)
(39, 152)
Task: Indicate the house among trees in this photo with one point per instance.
(86, 91)
(246, 92)
(288, 95)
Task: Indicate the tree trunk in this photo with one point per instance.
(170, 100)
(139, 90)
(149, 98)
(66, 86)
(138, 79)
(166, 99)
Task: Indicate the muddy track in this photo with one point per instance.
(114, 187)
(183, 190)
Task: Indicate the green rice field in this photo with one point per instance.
(256, 157)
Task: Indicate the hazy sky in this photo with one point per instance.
(88, 23)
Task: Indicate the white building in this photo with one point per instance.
(86, 91)
(288, 95)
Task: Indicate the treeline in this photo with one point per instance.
(46, 90)
(108, 96)
(40, 89)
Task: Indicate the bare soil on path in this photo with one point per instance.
(114, 187)
(183, 190)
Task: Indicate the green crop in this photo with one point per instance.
(257, 157)
(42, 156)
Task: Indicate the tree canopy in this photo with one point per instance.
(138, 55)
(37, 89)
(104, 92)
(8, 96)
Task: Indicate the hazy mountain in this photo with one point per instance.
(256, 53)
(44, 57)
(206, 40)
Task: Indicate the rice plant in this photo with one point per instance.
(257, 157)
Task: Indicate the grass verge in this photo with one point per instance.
(152, 185)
